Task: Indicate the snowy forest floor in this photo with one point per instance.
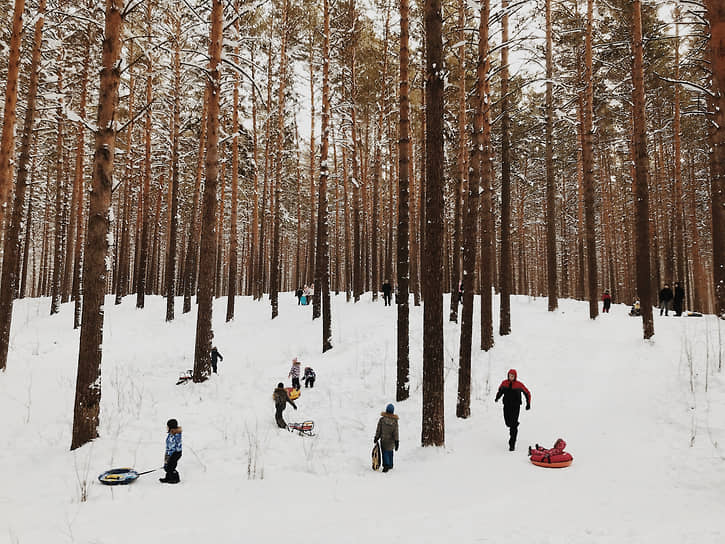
(645, 422)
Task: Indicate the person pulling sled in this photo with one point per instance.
(281, 398)
(173, 453)
(511, 390)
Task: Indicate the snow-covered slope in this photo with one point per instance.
(644, 421)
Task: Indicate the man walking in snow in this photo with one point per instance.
(511, 389)
(215, 356)
(281, 398)
(387, 433)
(387, 290)
(666, 297)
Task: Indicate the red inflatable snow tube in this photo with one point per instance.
(555, 457)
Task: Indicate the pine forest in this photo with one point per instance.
(444, 150)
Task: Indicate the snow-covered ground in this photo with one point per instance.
(644, 421)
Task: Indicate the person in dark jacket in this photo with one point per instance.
(281, 398)
(387, 290)
(173, 453)
(387, 433)
(215, 356)
(511, 390)
(679, 299)
(309, 377)
(298, 294)
(607, 301)
(666, 297)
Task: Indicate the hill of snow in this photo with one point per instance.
(645, 422)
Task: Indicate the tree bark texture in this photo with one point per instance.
(433, 429)
(95, 270)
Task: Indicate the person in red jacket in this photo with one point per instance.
(607, 300)
(511, 390)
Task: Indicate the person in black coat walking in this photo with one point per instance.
(215, 356)
(281, 398)
(387, 290)
(666, 297)
(298, 294)
(511, 390)
(679, 299)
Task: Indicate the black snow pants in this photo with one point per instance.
(511, 417)
(172, 476)
(278, 416)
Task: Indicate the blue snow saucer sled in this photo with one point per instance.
(118, 476)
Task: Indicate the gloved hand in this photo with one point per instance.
(397, 443)
(294, 406)
(528, 407)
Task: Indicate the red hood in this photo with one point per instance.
(512, 371)
(560, 444)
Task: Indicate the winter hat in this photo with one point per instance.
(389, 409)
(295, 361)
(172, 424)
(280, 385)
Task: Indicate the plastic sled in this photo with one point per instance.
(304, 428)
(186, 377)
(293, 393)
(376, 456)
(118, 476)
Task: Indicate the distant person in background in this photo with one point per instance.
(679, 299)
(309, 377)
(387, 290)
(281, 398)
(666, 297)
(215, 356)
(173, 453)
(607, 300)
(294, 373)
(460, 292)
(387, 433)
(299, 294)
(636, 309)
(511, 390)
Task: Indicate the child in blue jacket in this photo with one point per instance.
(173, 453)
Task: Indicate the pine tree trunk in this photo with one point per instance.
(204, 332)
(312, 240)
(59, 231)
(588, 165)
(7, 143)
(174, 181)
(402, 390)
(28, 228)
(146, 188)
(274, 276)
(254, 251)
(460, 180)
(483, 143)
(472, 203)
(716, 17)
(433, 429)
(192, 251)
(641, 165)
(323, 248)
(88, 383)
(551, 269)
(79, 209)
(11, 253)
(233, 232)
(506, 270)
